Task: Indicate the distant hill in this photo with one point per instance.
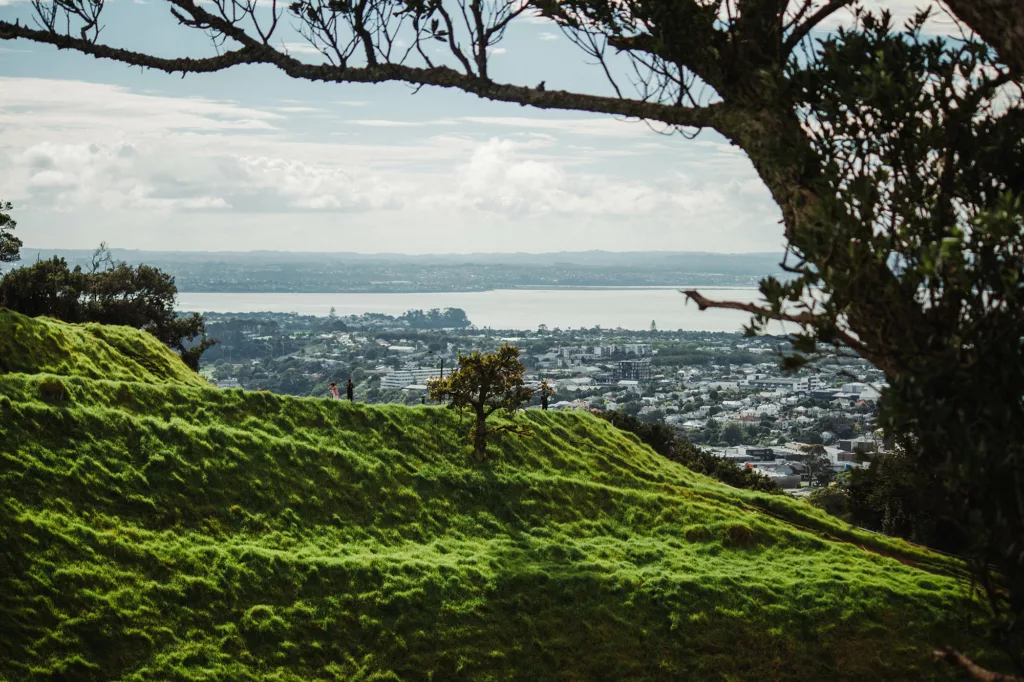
(284, 271)
(153, 529)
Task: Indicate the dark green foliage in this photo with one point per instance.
(893, 496)
(118, 294)
(732, 433)
(156, 531)
(10, 246)
(667, 442)
(833, 499)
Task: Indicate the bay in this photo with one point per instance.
(627, 308)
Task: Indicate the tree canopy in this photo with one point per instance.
(485, 383)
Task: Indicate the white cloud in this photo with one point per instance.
(301, 48)
(86, 162)
(385, 123)
(317, 187)
(547, 35)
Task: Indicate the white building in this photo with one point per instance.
(637, 349)
(400, 378)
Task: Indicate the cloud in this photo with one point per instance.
(109, 177)
(496, 50)
(385, 123)
(147, 171)
(316, 187)
(547, 35)
(301, 48)
(77, 105)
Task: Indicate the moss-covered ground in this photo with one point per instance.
(152, 528)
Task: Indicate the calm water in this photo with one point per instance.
(629, 308)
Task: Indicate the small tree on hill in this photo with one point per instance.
(486, 383)
(10, 246)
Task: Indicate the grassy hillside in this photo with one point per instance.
(170, 531)
(41, 345)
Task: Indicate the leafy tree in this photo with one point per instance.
(732, 434)
(892, 496)
(834, 500)
(141, 297)
(10, 246)
(486, 383)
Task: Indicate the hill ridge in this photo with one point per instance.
(159, 530)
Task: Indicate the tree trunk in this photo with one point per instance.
(480, 436)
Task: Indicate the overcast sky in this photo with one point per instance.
(95, 151)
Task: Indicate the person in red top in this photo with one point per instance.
(334, 391)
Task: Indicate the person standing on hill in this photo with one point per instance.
(545, 391)
(334, 391)
(350, 390)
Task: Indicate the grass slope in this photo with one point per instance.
(176, 532)
(42, 345)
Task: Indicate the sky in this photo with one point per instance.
(94, 151)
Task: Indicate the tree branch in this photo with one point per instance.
(245, 55)
(955, 658)
(801, 31)
(804, 318)
(439, 76)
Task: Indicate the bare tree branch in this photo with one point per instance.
(801, 31)
(803, 318)
(254, 52)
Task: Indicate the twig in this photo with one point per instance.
(955, 658)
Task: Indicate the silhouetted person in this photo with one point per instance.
(350, 390)
(423, 400)
(544, 401)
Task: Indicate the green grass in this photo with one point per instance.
(156, 530)
(43, 345)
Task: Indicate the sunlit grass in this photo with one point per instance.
(163, 530)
